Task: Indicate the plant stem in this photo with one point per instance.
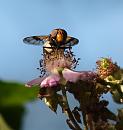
(67, 109)
(65, 102)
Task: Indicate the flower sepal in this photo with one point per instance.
(53, 101)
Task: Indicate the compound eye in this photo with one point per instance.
(54, 33)
(60, 37)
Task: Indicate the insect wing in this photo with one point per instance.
(36, 40)
(71, 41)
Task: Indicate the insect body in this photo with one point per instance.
(58, 38)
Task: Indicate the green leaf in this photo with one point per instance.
(13, 94)
(3, 124)
(12, 98)
(13, 116)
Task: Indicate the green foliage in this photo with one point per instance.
(14, 94)
(3, 125)
(12, 98)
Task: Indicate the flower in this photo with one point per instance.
(48, 81)
(106, 67)
(58, 65)
(58, 58)
(67, 74)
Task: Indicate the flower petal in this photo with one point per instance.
(50, 81)
(36, 81)
(88, 75)
(70, 75)
(74, 76)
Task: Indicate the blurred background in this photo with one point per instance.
(98, 25)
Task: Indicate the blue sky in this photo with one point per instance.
(98, 25)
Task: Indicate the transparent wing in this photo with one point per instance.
(36, 40)
(71, 41)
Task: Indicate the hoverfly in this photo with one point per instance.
(58, 38)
